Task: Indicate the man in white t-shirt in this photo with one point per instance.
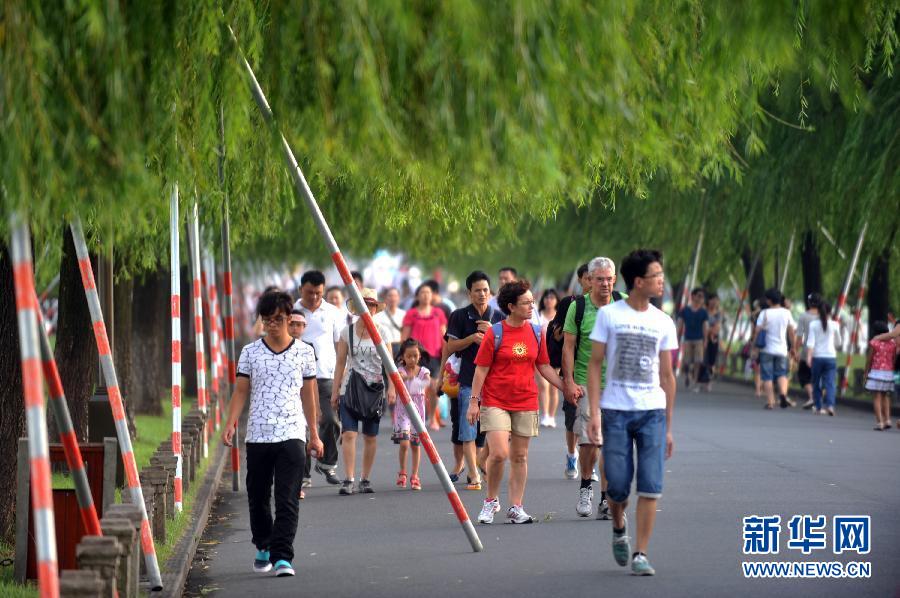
(781, 342)
(324, 323)
(391, 319)
(636, 340)
(278, 375)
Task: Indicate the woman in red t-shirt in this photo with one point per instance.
(504, 387)
(427, 325)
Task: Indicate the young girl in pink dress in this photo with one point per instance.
(880, 373)
(418, 382)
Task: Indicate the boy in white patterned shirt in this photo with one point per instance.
(275, 373)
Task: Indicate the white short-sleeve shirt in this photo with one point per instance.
(775, 321)
(276, 410)
(633, 340)
(323, 330)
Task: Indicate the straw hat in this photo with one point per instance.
(370, 296)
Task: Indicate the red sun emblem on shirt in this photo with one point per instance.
(520, 350)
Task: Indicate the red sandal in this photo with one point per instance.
(415, 483)
(401, 479)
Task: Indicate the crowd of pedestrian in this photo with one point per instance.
(315, 380)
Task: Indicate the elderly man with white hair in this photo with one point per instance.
(580, 319)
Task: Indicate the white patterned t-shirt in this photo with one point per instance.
(276, 411)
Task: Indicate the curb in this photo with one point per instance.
(796, 393)
(178, 566)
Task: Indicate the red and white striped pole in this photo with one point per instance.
(115, 401)
(854, 337)
(207, 279)
(38, 449)
(303, 190)
(67, 435)
(842, 298)
(228, 315)
(738, 314)
(194, 242)
(175, 271)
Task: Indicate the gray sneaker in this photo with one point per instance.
(585, 507)
(621, 547)
(641, 566)
(346, 488)
(603, 510)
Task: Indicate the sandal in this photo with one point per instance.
(401, 479)
(879, 427)
(476, 485)
(415, 483)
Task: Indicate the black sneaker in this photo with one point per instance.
(365, 487)
(347, 488)
(329, 474)
(784, 401)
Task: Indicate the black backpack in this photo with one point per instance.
(555, 347)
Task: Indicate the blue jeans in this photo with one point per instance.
(622, 431)
(772, 367)
(824, 372)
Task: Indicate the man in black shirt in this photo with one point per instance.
(465, 331)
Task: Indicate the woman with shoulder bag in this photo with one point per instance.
(360, 396)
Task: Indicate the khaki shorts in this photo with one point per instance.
(692, 352)
(520, 423)
(582, 427)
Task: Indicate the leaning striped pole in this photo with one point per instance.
(741, 299)
(194, 242)
(787, 262)
(67, 436)
(228, 317)
(175, 272)
(842, 298)
(208, 311)
(303, 190)
(35, 415)
(857, 320)
(115, 400)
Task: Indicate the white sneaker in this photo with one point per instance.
(585, 507)
(487, 511)
(516, 514)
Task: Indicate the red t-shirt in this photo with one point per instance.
(427, 329)
(510, 383)
(883, 355)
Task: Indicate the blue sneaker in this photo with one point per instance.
(262, 564)
(621, 547)
(571, 467)
(641, 566)
(283, 569)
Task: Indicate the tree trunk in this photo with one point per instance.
(758, 282)
(188, 347)
(122, 346)
(12, 404)
(811, 265)
(76, 350)
(879, 296)
(150, 339)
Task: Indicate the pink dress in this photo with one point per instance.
(403, 429)
(881, 376)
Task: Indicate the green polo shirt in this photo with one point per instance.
(583, 356)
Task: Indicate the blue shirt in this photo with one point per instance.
(693, 322)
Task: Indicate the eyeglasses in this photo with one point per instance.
(607, 280)
(659, 274)
(275, 320)
(525, 304)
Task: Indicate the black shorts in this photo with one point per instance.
(454, 426)
(804, 374)
(569, 411)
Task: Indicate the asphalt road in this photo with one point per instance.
(732, 459)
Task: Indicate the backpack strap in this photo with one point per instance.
(536, 328)
(497, 329)
(580, 303)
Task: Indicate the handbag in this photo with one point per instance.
(761, 337)
(364, 399)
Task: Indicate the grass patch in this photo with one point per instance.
(8, 587)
